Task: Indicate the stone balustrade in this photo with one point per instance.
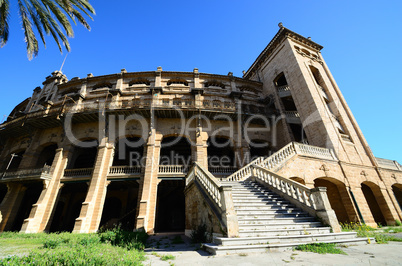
(167, 170)
(219, 195)
(283, 88)
(43, 172)
(124, 170)
(81, 172)
(222, 171)
(314, 151)
(280, 157)
(292, 114)
(314, 201)
(388, 164)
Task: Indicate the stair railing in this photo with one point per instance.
(220, 196)
(278, 158)
(314, 201)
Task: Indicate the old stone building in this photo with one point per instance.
(161, 150)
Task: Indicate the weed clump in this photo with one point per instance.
(201, 234)
(321, 248)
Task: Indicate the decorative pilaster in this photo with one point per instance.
(92, 207)
(41, 211)
(147, 206)
(10, 205)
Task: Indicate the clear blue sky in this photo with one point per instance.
(362, 46)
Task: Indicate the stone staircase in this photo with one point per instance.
(268, 222)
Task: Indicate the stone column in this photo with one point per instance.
(201, 148)
(92, 207)
(149, 184)
(229, 213)
(323, 208)
(363, 206)
(41, 211)
(10, 205)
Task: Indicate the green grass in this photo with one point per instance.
(321, 248)
(393, 230)
(167, 257)
(364, 230)
(115, 247)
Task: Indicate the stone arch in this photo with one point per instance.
(68, 206)
(339, 199)
(376, 202)
(111, 212)
(280, 80)
(220, 153)
(170, 206)
(175, 149)
(3, 191)
(13, 160)
(259, 148)
(129, 150)
(31, 196)
(397, 189)
(84, 157)
(120, 207)
(46, 156)
(298, 179)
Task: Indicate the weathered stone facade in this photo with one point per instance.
(117, 149)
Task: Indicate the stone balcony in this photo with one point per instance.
(292, 117)
(25, 174)
(284, 91)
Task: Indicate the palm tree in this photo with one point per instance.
(45, 16)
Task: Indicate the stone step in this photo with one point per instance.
(271, 211)
(265, 200)
(258, 215)
(224, 241)
(279, 225)
(224, 250)
(283, 232)
(273, 220)
(254, 206)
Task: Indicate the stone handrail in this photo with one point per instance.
(291, 188)
(221, 170)
(278, 158)
(292, 114)
(314, 151)
(209, 183)
(124, 170)
(78, 172)
(283, 88)
(27, 172)
(173, 169)
(219, 195)
(314, 201)
(389, 164)
(245, 171)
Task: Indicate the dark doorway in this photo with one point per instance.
(31, 196)
(175, 151)
(170, 206)
(373, 205)
(120, 206)
(397, 189)
(338, 198)
(46, 156)
(259, 148)
(3, 191)
(129, 152)
(68, 207)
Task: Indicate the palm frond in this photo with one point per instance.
(61, 17)
(36, 20)
(4, 17)
(30, 39)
